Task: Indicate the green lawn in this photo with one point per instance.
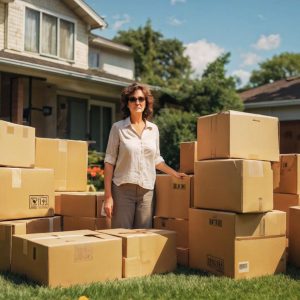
(182, 284)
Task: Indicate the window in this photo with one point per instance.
(94, 58)
(49, 35)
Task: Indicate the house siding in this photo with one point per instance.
(16, 23)
(2, 21)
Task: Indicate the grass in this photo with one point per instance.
(182, 284)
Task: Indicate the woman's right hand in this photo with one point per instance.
(108, 206)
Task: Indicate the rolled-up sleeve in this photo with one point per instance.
(112, 146)
(158, 157)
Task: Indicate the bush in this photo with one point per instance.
(175, 126)
(95, 170)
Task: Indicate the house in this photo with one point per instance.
(55, 74)
(280, 99)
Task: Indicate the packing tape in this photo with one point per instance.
(262, 227)
(255, 168)
(25, 247)
(16, 178)
(51, 224)
(62, 146)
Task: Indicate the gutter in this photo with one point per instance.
(278, 103)
(17, 63)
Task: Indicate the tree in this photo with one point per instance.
(175, 126)
(278, 67)
(158, 61)
(214, 92)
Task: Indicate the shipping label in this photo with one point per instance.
(244, 267)
(215, 222)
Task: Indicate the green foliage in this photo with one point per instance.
(278, 67)
(95, 170)
(182, 284)
(214, 92)
(158, 61)
(175, 126)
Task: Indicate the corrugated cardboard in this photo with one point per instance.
(182, 256)
(81, 204)
(26, 226)
(79, 223)
(237, 245)
(26, 193)
(234, 185)
(180, 226)
(283, 202)
(173, 196)
(68, 158)
(57, 203)
(234, 134)
(294, 238)
(289, 181)
(188, 155)
(17, 145)
(146, 251)
(67, 258)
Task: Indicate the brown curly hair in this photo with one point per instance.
(128, 91)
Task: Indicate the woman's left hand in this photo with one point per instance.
(180, 175)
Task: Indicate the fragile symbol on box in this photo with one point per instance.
(178, 186)
(38, 201)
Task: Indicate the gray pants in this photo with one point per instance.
(133, 206)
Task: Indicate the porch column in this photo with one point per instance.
(17, 97)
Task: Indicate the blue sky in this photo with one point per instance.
(251, 30)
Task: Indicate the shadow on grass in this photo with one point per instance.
(18, 279)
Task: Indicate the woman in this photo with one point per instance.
(132, 155)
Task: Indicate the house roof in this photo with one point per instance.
(86, 13)
(28, 63)
(281, 90)
(96, 40)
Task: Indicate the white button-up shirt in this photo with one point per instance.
(133, 156)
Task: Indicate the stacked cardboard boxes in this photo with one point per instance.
(82, 210)
(26, 191)
(287, 189)
(174, 197)
(146, 251)
(233, 199)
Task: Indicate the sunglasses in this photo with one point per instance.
(133, 99)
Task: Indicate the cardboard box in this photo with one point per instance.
(180, 226)
(283, 202)
(233, 134)
(276, 175)
(234, 185)
(289, 174)
(294, 238)
(188, 155)
(17, 145)
(68, 159)
(80, 223)
(67, 258)
(182, 256)
(173, 196)
(9, 228)
(26, 193)
(237, 245)
(146, 251)
(82, 204)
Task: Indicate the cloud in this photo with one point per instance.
(269, 42)
(261, 17)
(120, 20)
(250, 59)
(201, 54)
(174, 21)
(243, 75)
(173, 2)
